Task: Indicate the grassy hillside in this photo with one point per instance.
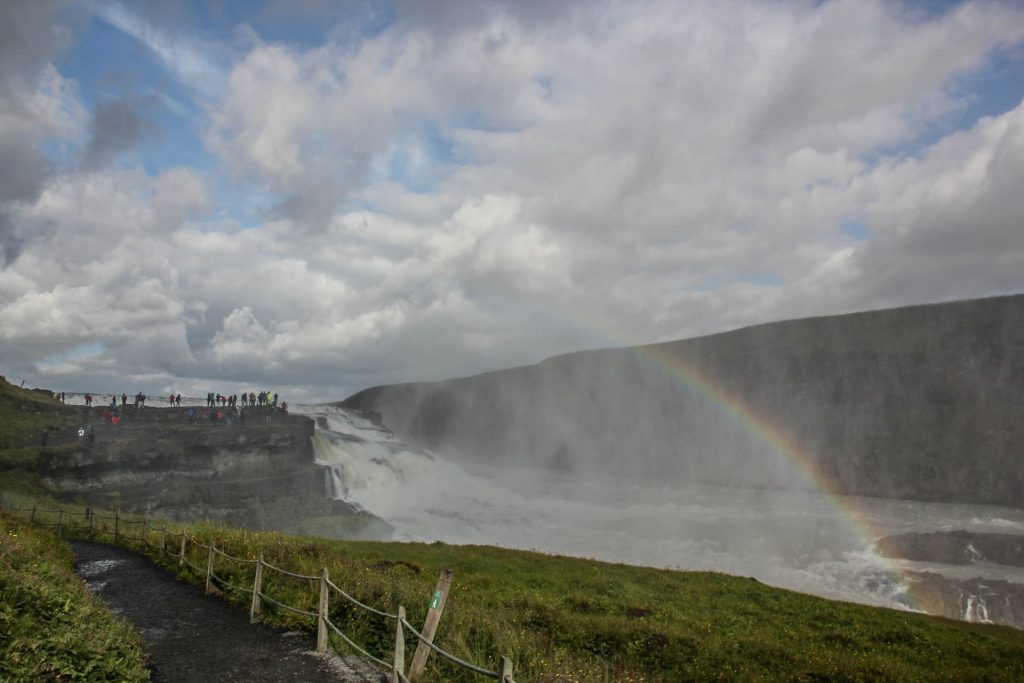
(51, 628)
(569, 619)
(24, 414)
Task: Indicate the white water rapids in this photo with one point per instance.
(797, 540)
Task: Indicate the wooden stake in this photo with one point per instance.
(209, 567)
(396, 672)
(321, 621)
(419, 660)
(505, 670)
(257, 586)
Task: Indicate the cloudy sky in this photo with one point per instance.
(315, 197)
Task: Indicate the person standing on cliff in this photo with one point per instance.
(124, 400)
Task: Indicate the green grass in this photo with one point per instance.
(24, 413)
(568, 619)
(51, 628)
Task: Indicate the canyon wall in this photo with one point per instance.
(923, 402)
(258, 474)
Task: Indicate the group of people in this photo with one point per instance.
(229, 409)
(213, 400)
(234, 408)
(264, 398)
(140, 400)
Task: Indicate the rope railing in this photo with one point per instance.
(234, 559)
(227, 584)
(296, 610)
(324, 625)
(449, 656)
(291, 574)
(354, 646)
(359, 604)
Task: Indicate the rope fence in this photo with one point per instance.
(95, 524)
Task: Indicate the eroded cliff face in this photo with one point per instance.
(924, 402)
(258, 474)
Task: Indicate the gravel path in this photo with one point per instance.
(189, 636)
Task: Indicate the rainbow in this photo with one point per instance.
(781, 443)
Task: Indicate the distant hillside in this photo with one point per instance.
(923, 402)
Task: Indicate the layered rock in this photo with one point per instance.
(979, 600)
(259, 473)
(955, 547)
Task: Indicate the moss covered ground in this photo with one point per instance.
(51, 628)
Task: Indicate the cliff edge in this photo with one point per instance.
(923, 402)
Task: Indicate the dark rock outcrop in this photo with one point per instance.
(257, 474)
(981, 600)
(924, 402)
(955, 547)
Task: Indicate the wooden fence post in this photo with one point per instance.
(505, 670)
(257, 586)
(33, 518)
(181, 555)
(60, 522)
(117, 526)
(321, 620)
(399, 667)
(163, 542)
(209, 567)
(88, 513)
(419, 660)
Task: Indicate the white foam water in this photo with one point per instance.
(796, 540)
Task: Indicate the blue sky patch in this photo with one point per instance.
(855, 229)
(80, 351)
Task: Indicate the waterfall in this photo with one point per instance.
(334, 478)
(975, 610)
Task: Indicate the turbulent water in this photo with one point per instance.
(804, 541)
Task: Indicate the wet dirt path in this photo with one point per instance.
(189, 636)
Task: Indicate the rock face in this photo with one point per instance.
(259, 474)
(924, 402)
(988, 601)
(955, 547)
(976, 599)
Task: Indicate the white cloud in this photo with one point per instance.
(455, 197)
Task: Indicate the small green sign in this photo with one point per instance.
(436, 601)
